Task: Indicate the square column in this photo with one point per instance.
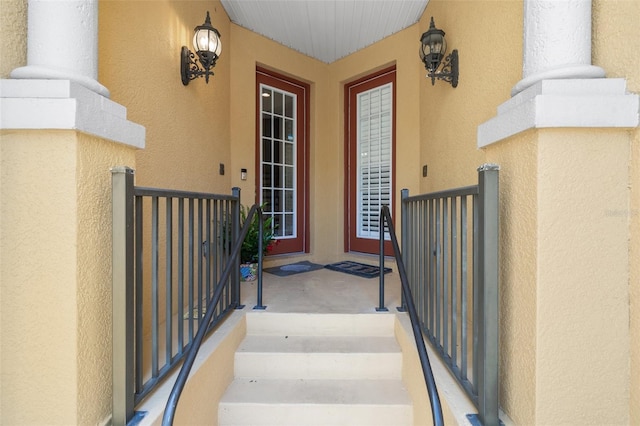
(58, 142)
(564, 250)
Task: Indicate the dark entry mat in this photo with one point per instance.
(293, 268)
(359, 269)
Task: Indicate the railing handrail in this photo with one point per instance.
(434, 399)
(174, 396)
(176, 193)
(455, 192)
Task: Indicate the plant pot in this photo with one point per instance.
(248, 271)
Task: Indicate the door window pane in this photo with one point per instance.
(267, 98)
(278, 159)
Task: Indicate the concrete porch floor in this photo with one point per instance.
(323, 291)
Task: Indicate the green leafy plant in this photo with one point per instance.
(249, 251)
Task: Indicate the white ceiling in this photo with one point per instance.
(325, 29)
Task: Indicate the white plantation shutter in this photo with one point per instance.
(374, 137)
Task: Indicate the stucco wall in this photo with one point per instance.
(564, 194)
(191, 130)
(13, 35)
(564, 276)
(95, 157)
(188, 127)
(616, 37)
(56, 282)
(582, 277)
(518, 158)
(488, 37)
(39, 373)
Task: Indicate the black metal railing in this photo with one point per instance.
(407, 297)
(450, 249)
(175, 277)
(172, 402)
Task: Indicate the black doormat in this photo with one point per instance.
(293, 268)
(359, 269)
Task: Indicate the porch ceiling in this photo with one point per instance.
(325, 29)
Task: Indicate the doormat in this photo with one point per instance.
(359, 269)
(293, 268)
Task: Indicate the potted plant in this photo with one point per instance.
(249, 250)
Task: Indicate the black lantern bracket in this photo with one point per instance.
(190, 69)
(449, 71)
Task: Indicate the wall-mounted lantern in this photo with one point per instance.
(206, 42)
(432, 50)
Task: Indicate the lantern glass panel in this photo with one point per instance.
(205, 40)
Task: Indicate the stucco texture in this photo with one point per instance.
(569, 257)
(13, 33)
(38, 287)
(56, 285)
(564, 275)
(95, 158)
(518, 159)
(562, 297)
(582, 277)
(188, 127)
(490, 61)
(616, 37)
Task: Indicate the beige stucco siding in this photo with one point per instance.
(570, 199)
(13, 35)
(55, 272)
(188, 127)
(616, 37)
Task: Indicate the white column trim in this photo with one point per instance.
(560, 87)
(65, 104)
(580, 103)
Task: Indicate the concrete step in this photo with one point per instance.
(319, 357)
(315, 402)
(317, 369)
(301, 324)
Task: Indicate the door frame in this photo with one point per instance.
(370, 81)
(271, 78)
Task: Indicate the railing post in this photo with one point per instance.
(381, 307)
(235, 234)
(259, 305)
(404, 234)
(122, 294)
(488, 402)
